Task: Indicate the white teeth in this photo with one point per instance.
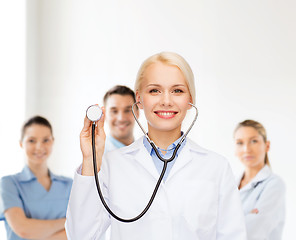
(166, 113)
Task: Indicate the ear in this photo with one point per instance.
(267, 146)
(138, 99)
(21, 144)
(189, 106)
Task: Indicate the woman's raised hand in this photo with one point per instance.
(86, 144)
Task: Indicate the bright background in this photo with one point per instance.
(59, 57)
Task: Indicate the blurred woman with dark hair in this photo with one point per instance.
(33, 202)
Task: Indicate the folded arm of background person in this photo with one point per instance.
(271, 212)
(61, 235)
(30, 228)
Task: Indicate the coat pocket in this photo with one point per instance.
(201, 207)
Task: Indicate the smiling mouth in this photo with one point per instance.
(39, 155)
(122, 125)
(165, 114)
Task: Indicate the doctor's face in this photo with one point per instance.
(250, 147)
(164, 96)
(37, 143)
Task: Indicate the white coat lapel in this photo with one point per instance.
(186, 156)
(183, 159)
(142, 157)
(262, 175)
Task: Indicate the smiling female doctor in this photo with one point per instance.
(197, 198)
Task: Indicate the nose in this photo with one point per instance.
(166, 99)
(120, 116)
(246, 147)
(39, 145)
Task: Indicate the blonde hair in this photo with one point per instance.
(172, 59)
(260, 129)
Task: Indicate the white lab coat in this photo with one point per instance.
(266, 192)
(199, 199)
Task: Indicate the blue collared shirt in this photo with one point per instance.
(157, 162)
(24, 191)
(112, 144)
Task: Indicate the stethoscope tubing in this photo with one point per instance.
(100, 192)
(165, 162)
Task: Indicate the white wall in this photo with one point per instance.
(12, 86)
(242, 54)
(12, 83)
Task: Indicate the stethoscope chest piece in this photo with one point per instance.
(94, 113)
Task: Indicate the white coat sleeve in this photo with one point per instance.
(86, 217)
(231, 223)
(271, 207)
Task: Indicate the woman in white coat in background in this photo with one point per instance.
(262, 192)
(197, 198)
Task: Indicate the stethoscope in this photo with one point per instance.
(94, 114)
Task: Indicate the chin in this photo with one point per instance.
(122, 136)
(248, 163)
(40, 160)
(252, 165)
(167, 126)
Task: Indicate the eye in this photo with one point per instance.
(114, 111)
(128, 110)
(31, 141)
(254, 141)
(154, 90)
(46, 140)
(239, 143)
(178, 91)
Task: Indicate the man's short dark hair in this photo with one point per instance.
(121, 90)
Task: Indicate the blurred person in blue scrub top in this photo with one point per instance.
(118, 103)
(33, 203)
(262, 192)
